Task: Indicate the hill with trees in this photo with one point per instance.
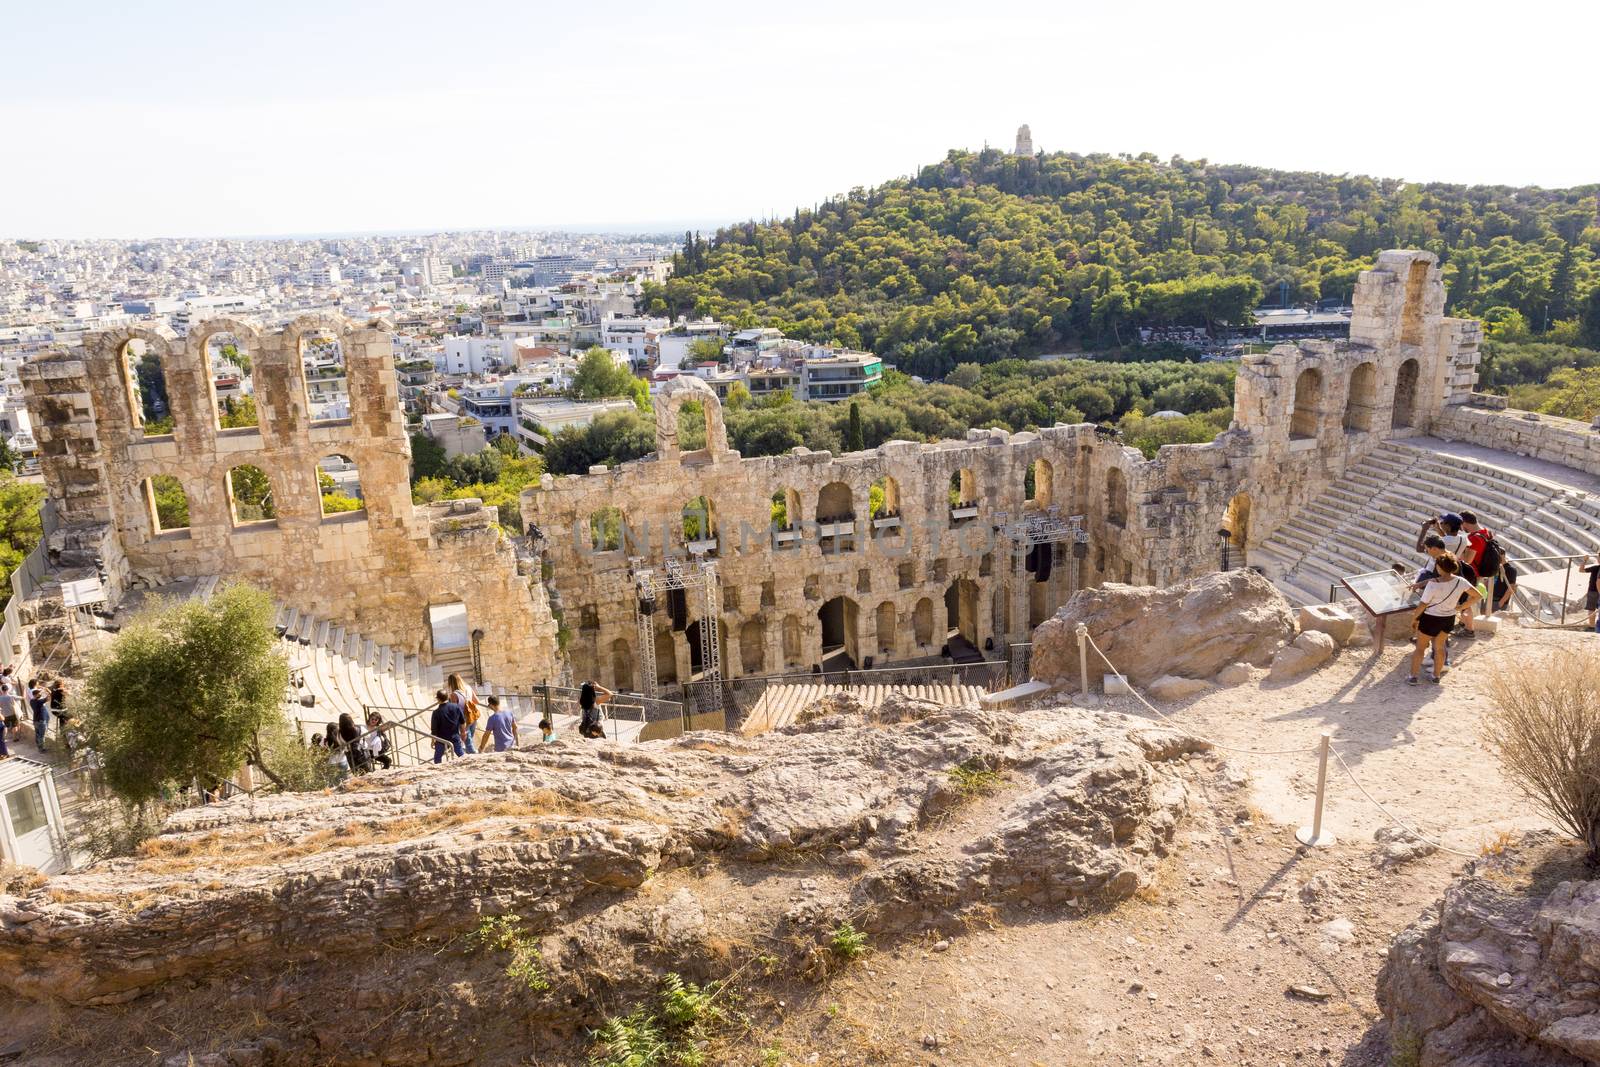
(986, 256)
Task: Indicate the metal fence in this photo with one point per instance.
(626, 716)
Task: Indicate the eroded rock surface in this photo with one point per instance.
(618, 859)
(1505, 970)
(1192, 629)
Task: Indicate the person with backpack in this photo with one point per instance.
(1442, 599)
(463, 694)
(1486, 555)
(590, 697)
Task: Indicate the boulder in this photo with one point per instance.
(1308, 652)
(1234, 674)
(1175, 687)
(1192, 629)
(1501, 972)
(1330, 619)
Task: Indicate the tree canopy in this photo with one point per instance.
(985, 255)
(188, 689)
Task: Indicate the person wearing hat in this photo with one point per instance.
(1448, 527)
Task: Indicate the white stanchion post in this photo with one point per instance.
(1313, 836)
(1083, 659)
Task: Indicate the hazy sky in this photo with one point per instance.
(166, 118)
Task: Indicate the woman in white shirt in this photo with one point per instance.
(1441, 600)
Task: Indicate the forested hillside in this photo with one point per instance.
(986, 255)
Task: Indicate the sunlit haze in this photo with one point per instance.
(173, 119)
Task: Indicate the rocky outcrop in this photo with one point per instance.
(581, 841)
(1505, 970)
(1192, 629)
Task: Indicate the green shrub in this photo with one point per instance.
(847, 942)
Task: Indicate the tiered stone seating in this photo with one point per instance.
(348, 672)
(1368, 519)
(780, 704)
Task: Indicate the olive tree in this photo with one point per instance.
(188, 689)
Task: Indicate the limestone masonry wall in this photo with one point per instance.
(891, 591)
(377, 569)
(941, 559)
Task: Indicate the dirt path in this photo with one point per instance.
(1417, 749)
(1196, 969)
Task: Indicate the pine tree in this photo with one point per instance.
(855, 440)
(1563, 288)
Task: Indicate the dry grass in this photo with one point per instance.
(1546, 730)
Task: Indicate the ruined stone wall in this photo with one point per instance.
(1302, 414)
(376, 570)
(1548, 437)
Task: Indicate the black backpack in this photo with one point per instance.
(1489, 561)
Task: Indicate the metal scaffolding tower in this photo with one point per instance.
(699, 573)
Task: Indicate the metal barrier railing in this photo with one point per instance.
(1546, 607)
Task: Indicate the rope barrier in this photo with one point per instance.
(1210, 741)
(1287, 752)
(1391, 816)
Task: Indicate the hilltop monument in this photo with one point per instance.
(1024, 141)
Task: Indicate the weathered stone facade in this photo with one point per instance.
(890, 592)
(377, 569)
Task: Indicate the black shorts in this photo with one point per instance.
(1591, 600)
(1434, 625)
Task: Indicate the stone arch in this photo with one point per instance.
(145, 360)
(1236, 521)
(1411, 317)
(1405, 395)
(699, 523)
(752, 647)
(1038, 484)
(839, 617)
(339, 485)
(1307, 404)
(605, 529)
(963, 488)
(883, 498)
(1116, 497)
(961, 610)
(672, 397)
(250, 495)
(835, 503)
(225, 350)
(886, 627)
(922, 622)
(621, 665)
(318, 345)
(1363, 399)
(785, 512)
(793, 651)
(166, 504)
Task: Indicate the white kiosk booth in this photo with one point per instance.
(31, 831)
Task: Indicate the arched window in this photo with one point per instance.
(963, 495)
(1116, 497)
(835, 503)
(605, 529)
(700, 524)
(621, 665)
(1363, 399)
(884, 498)
(250, 495)
(228, 362)
(1307, 404)
(886, 626)
(150, 404)
(339, 485)
(752, 646)
(691, 426)
(666, 658)
(785, 509)
(1405, 395)
(327, 382)
(922, 621)
(169, 504)
(1038, 484)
